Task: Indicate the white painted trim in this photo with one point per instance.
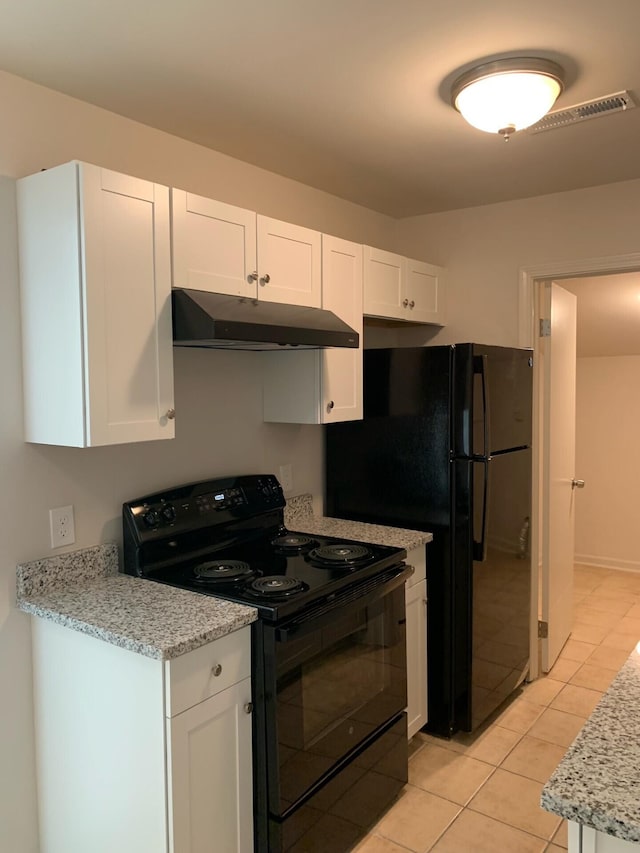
(607, 563)
(562, 269)
(527, 285)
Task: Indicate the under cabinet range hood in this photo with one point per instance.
(216, 321)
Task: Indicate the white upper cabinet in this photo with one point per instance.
(96, 311)
(213, 245)
(289, 263)
(400, 288)
(383, 283)
(322, 386)
(225, 249)
(425, 292)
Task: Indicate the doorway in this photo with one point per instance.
(531, 282)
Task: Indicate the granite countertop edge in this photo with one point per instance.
(597, 782)
(299, 516)
(82, 590)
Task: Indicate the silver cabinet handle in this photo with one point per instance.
(216, 670)
(330, 405)
(171, 413)
(265, 279)
(577, 484)
(412, 304)
(248, 708)
(405, 302)
(253, 276)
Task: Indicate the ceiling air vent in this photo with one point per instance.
(616, 103)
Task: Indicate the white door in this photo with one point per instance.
(558, 467)
(289, 263)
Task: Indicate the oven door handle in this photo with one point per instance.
(359, 595)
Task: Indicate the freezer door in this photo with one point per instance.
(501, 397)
(501, 582)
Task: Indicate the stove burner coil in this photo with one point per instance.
(222, 571)
(276, 585)
(293, 543)
(340, 554)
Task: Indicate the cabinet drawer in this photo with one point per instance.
(191, 678)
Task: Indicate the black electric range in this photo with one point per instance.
(227, 538)
(328, 650)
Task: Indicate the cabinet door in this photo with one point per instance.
(213, 245)
(384, 275)
(96, 281)
(210, 772)
(424, 292)
(416, 604)
(289, 263)
(341, 371)
(322, 386)
(128, 336)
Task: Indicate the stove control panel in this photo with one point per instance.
(220, 500)
(204, 504)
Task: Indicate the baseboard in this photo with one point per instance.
(607, 563)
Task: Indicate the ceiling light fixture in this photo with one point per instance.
(507, 95)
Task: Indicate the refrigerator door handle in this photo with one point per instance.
(480, 547)
(480, 367)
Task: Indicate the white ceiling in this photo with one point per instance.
(350, 96)
(608, 314)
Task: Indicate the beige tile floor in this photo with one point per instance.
(479, 793)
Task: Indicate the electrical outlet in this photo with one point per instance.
(62, 526)
(286, 477)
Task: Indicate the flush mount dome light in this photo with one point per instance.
(508, 94)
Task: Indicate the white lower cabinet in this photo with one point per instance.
(209, 749)
(585, 839)
(416, 609)
(137, 755)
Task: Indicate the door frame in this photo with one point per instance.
(530, 280)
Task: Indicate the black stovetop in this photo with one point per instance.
(293, 581)
(199, 536)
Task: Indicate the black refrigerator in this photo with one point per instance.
(445, 446)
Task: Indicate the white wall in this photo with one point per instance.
(483, 249)
(608, 460)
(218, 394)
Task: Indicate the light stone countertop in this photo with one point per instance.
(298, 515)
(83, 591)
(597, 783)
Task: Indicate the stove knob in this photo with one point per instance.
(151, 518)
(168, 513)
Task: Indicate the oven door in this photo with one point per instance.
(332, 679)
